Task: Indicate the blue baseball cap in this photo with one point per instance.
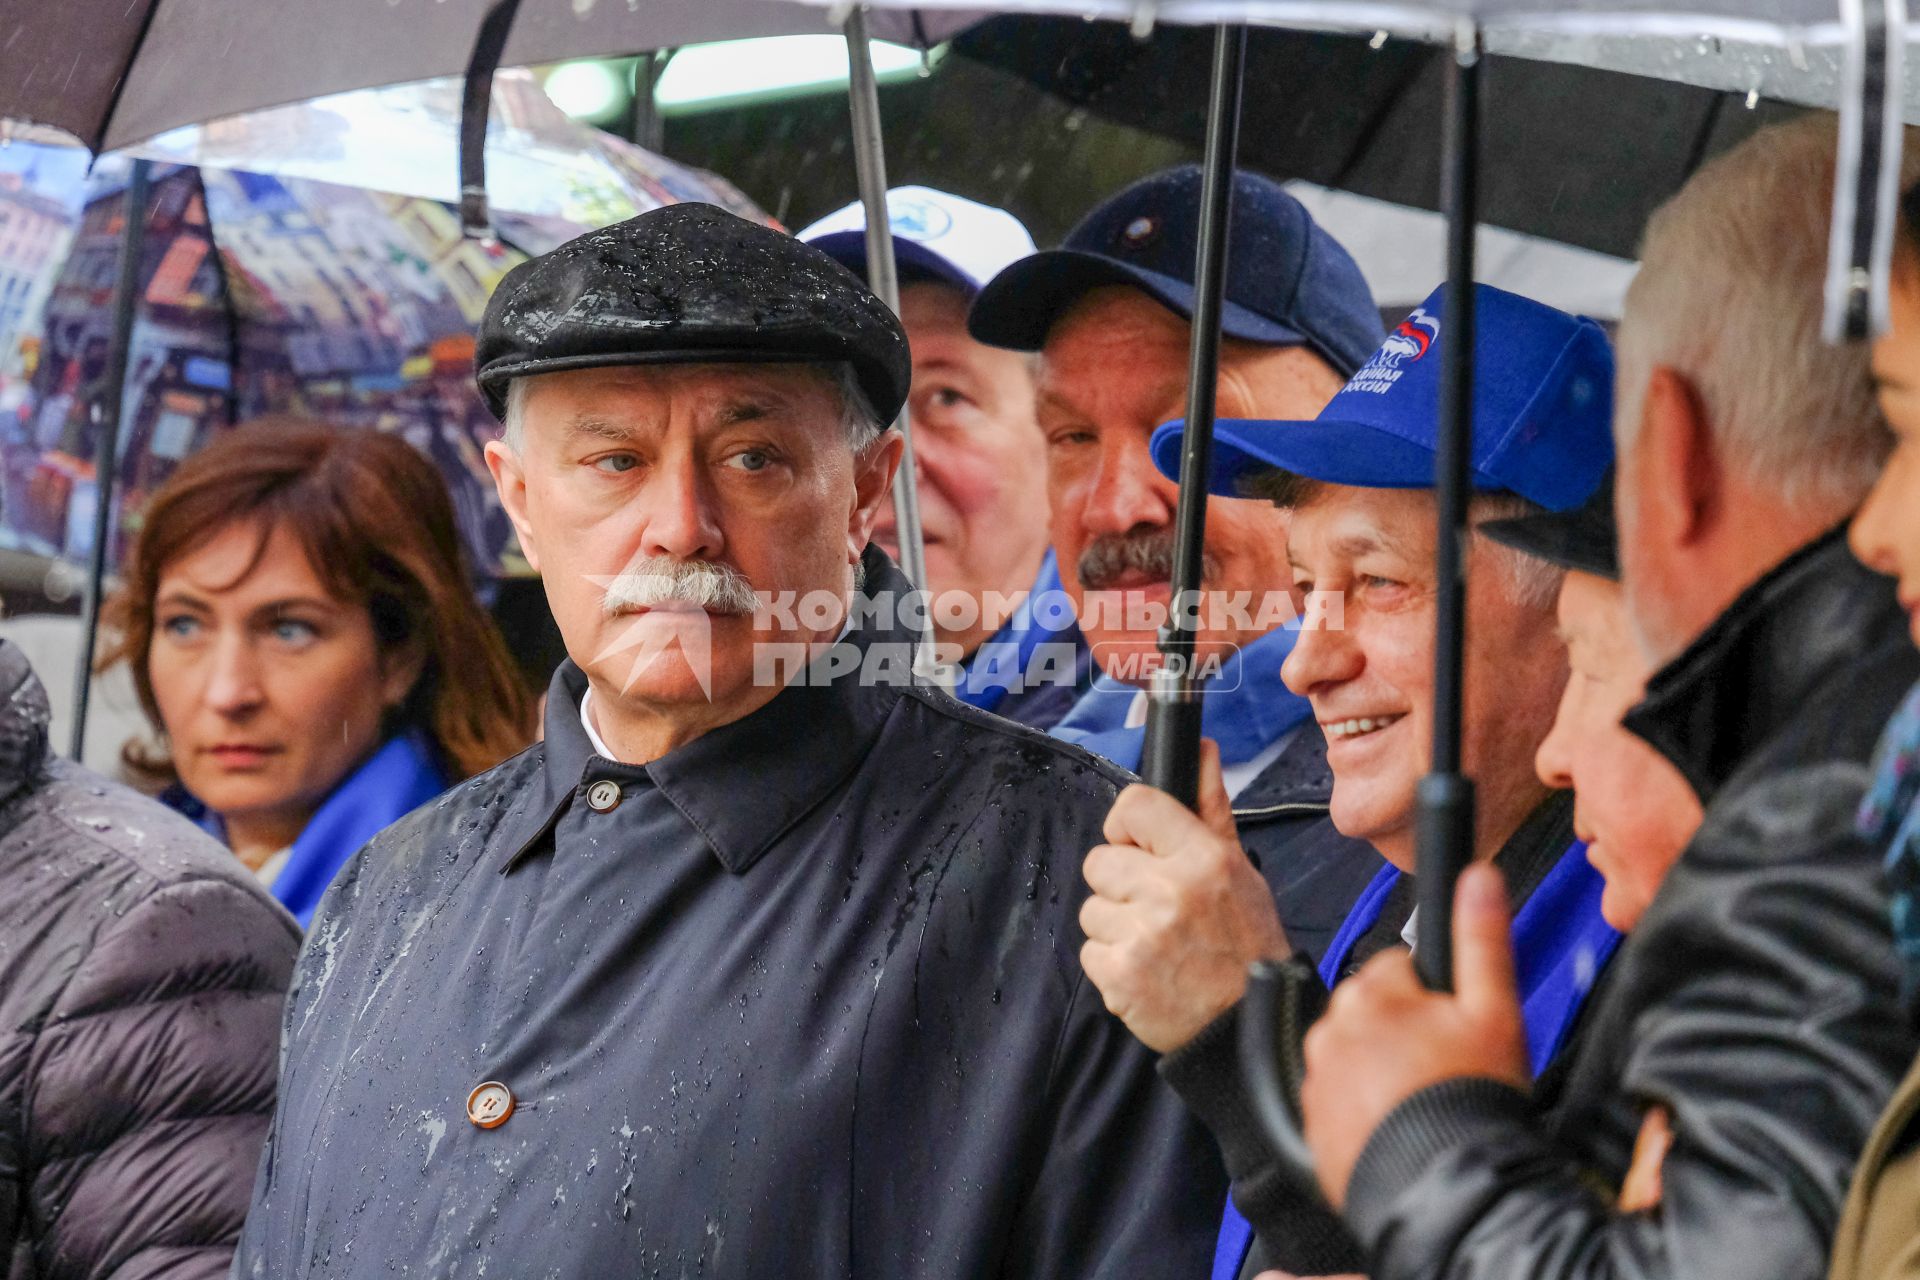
(1542, 411)
(1289, 283)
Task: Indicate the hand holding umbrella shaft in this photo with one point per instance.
(1177, 914)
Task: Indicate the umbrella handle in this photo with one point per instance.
(1169, 750)
(476, 104)
(1866, 188)
(1270, 1059)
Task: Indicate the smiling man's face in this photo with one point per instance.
(1371, 680)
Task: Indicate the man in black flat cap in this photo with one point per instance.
(756, 966)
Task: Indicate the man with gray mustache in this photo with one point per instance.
(1110, 315)
(730, 975)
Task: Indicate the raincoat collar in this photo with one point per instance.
(23, 721)
(743, 785)
(1750, 673)
(1299, 775)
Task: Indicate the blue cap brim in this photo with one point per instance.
(1348, 453)
(1018, 307)
(849, 249)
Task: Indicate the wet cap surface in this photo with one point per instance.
(688, 284)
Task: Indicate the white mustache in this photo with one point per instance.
(661, 580)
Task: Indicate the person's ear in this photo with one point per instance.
(510, 482)
(400, 668)
(1681, 478)
(873, 472)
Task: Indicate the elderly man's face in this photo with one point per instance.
(1632, 807)
(982, 463)
(634, 471)
(1371, 679)
(1114, 368)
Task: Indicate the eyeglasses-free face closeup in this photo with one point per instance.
(271, 689)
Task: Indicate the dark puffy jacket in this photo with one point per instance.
(1757, 1000)
(142, 974)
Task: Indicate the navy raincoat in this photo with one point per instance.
(799, 999)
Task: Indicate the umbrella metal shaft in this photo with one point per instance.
(870, 164)
(106, 454)
(1170, 753)
(1444, 832)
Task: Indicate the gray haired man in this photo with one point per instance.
(730, 975)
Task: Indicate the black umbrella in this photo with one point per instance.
(1573, 154)
(114, 72)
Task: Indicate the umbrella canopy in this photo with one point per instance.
(112, 73)
(1573, 155)
(400, 139)
(257, 294)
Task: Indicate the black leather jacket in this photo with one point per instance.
(1757, 1000)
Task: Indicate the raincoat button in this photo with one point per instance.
(603, 796)
(489, 1105)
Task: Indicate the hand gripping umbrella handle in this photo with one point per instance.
(1271, 1061)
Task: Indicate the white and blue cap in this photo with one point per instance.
(935, 234)
(1542, 411)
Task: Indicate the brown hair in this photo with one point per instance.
(376, 523)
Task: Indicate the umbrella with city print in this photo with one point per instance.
(264, 293)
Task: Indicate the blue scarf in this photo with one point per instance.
(1560, 944)
(1891, 814)
(397, 779)
(1245, 709)
(999, 665)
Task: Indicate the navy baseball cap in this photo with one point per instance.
(1542, 411)
(1289, 283)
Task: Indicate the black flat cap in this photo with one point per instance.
(1583, 538)
(688, 284)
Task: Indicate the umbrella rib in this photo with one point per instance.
(126, 73)
(1703, 136)
(233, 314)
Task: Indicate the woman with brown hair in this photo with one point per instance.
(303, 635)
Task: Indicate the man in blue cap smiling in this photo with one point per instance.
(1110, 315)
(1357, 482)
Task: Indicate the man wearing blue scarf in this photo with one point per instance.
(1109, 313)
(1357, 481)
